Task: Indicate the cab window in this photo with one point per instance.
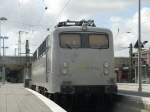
(98, 41)
(84, 40)
(70, 41)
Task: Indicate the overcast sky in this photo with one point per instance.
(30, 16)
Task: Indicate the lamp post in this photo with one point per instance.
(19, 42)
(15, 51)
(3, 68)
(27, 74)
(4, 44)
(139, 49)
(1, 19)
(4, 53)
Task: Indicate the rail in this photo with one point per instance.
(122, 102)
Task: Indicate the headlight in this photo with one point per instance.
(106, 71)
(65, 65)
(106, 64)
(64, 68)
(106, 68)
(64, 71)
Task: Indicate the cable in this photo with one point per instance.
(43, 15)
(60, 13)
(29, 25)
(64, 8)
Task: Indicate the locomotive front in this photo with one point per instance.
(82, 59)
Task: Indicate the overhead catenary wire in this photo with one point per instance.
(18, 24)
(58, 17)
(43, 15)
(67, 3)
(28, 25)
(38, 26)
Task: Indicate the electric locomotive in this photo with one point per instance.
(75, 63)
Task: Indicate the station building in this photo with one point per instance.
(121, 65)
(145, 65)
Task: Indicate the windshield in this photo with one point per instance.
(70, 41)
(99, 41)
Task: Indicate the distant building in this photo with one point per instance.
(122, 68)
(145, 57)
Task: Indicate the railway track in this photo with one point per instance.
(121, 103)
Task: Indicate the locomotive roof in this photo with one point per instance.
(79, 25)
(79, 28)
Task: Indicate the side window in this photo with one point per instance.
(48, 41)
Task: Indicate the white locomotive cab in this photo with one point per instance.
(82, 59)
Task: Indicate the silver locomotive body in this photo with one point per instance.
(78, 59)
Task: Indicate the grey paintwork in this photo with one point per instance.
(83, 66)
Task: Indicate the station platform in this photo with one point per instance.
(132, 89)
(16, 98)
